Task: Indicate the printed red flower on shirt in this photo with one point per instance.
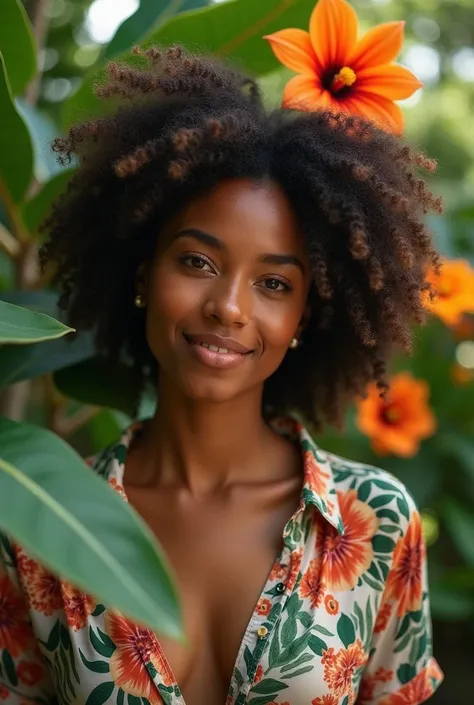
(325, 700)
(15, 630)
(311, 585)
(315, 477)
(258, 674)
(331, 604)
(41, 587)
(404, 583)
(339, 671)
(382, 618)
(346, 557)
(417, 690)
(135, 646)
(77, 605)
(264, 606)
(29, 673)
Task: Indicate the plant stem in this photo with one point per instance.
(8, 243)
(40, 21)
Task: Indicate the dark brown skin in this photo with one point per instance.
(215, 484)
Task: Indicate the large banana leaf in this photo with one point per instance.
(65, 515)
(16, 151)
(20, 326)
(233, 29)
(17, 44)
(149, 14)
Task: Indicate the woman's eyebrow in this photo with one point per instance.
(213, 241)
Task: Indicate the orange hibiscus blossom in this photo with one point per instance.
(345, 558)
(454, 287)
(135, 646)
(404, 583)
(417, 690)
(315, 477)
(339, 72)
(311, 584)
(398, 424)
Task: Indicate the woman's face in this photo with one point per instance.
(226, 290)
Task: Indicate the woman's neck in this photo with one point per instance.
(204, 446)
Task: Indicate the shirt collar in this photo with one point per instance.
(318, 485)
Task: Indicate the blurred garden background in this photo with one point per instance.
(51, 51)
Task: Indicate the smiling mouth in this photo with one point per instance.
(217, 356)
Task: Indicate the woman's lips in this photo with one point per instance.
(212, 351)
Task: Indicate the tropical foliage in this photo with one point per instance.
(53, 379)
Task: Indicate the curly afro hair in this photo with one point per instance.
(181, 124)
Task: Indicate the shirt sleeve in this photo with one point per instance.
(401, 669)
(24, 677)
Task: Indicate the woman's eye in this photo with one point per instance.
(197, 262)
(273, 284)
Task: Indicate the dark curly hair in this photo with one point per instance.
(181, 124)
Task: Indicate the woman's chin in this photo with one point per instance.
(211, 391)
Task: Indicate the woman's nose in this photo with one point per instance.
(229, 302)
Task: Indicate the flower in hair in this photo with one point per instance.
(340, 72)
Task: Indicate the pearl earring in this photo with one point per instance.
(294, 343)
(140, 301)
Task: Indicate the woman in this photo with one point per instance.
(252, 266)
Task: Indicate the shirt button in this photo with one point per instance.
(262, 632)
(280, 588)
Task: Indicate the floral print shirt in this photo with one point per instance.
(343, 617)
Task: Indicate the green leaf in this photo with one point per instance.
(402, 505)
(304, 658)
(20, 326)
(95, 381)
(364, 491)
(380, 500)
(299, 672)
(388, 514)
(20, 362)
(104, 645)
(9, 667)
(317, 645)
(232, 30)
(133, 700)
(346, 631)
(90, 535)
(268, 685)
(405, 673)
(17, 44)
(42, 131)
(16, 150)
(35, 210)
(288, 631)
(293, 604)
(95, 666)
(100, 694)
(383, 544)
(54, 635)
(150, 13)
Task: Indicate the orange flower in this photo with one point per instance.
(339, 72)
(454, 287)
(382, 618)
(325, 700)
(315, 477)
(398, 424)
(278, 571)
(383, 675)
(30, 673)
(331, 604)
(339, 671)
(295, 562)
(258, 674)
(417, 690)
(135, 646)
(264, 606)
(15, 632)
(77, 606)
(404, 583)
(346, 557)
(311, 584)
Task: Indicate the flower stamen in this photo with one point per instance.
(345, 78)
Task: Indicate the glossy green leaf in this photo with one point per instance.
(17, 44)
(149, 14)
(18, 363)
(21, 326)
(232, 30)
(35, 210)
(16, 151)
(95, 381)
(73, 522)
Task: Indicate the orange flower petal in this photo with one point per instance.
(293, 48)
(333, 31)
(380, 110)
(304, 93)
(389, 81)
(379, 45)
